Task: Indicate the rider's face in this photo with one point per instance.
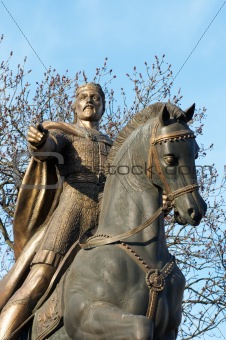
(89, 105)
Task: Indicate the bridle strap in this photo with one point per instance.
(88, 243)
(173, 135)
(154, 160)
(182, 191)
(171, 195)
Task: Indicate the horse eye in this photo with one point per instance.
(170, 159)
(197, 155)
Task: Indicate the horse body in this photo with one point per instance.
(115, 278)
(106, 294)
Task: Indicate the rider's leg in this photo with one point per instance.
(76, 212)
(21, 304)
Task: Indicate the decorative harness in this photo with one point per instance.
(155, 278)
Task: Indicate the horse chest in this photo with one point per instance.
(137, 297)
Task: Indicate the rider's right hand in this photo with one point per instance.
(36, 136)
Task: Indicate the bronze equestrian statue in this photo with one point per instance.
(57, 202)
(124, 283)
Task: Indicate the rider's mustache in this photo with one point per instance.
(88, 105)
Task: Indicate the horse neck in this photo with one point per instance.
(130, 200)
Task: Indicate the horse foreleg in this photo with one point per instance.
(103, 321)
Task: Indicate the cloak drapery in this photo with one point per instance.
(37, 199)
(39, 194)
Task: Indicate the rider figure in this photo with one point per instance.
(84, 152)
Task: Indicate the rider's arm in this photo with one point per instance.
(43, 143)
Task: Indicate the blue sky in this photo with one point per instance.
(79, 34)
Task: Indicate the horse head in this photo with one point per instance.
(172, 162)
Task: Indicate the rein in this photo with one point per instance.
(91, 243)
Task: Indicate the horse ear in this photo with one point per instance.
(164, 116)
(190, 112)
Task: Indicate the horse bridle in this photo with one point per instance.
(153, 159)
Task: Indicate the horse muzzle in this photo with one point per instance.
(189, 209)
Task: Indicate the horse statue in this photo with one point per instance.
(124, 283)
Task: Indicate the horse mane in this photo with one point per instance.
(140, 119)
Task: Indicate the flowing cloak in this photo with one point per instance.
(37, 199)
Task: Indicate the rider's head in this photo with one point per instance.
(86, 93)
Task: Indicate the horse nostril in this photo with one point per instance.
(191, 212)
